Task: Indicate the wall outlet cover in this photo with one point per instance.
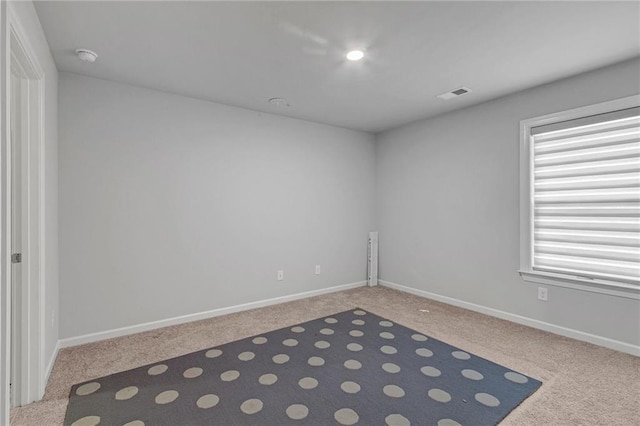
(543, 294)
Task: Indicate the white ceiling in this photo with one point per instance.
(243, 53)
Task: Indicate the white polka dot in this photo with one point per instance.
(297, 329)
(134, 423)
(448, 422)
(460, 355)
(192, 373)
(419, 337)
(359, 312)
(297, 411)
(356, 333)
(354, 347)
(352, 364)
(280, 358)
(126, 393)
(290, 342)
(389, 350)
(472, 374)
(397, 420)
(246, 356)
(213, 353)
(350, 387)
(315, 361)
(308, 383)
(87, 421)
(487, 399)
(326, 331)
(166, 397)
(251, 406)
(330, 320)
(386, 323)
(386, 335)
(393, 391)
(439, 395)
(390, 367)
(207, 401)
(424, 352)
(346, 416)
(268, 379)
(260, 340)
(515, 377)
(357, 322)
(430, 371)
(321, 344)
(87, 388)
(229, 375)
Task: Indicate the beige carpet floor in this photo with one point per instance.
(583, 384)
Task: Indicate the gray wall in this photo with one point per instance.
(172, 206)
(448, 206)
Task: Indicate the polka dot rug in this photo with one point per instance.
(353, 367)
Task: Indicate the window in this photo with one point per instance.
(580, 198)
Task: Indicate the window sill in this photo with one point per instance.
(611, 288)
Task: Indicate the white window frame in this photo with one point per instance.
(526, 205)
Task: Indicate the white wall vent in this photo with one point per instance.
(372, 260)
(454, 93)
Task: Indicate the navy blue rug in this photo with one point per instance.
(353, 367)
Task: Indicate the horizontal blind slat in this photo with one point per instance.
(590, 275)
(618, 224)
(612, 180)
(600, 167)
(600, 251)
(620, 151)
(615, 137)
(613, 238)
(589, 209)
(621, 195)
(628, 270)
(589, 125)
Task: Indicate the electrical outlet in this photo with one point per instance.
(543, 294)
(280, 275)
(317, 269)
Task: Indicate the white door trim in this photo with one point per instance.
(19, 57)
(5, 217)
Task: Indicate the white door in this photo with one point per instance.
(15, 228)
(17, 129)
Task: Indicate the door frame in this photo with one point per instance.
(18, 56)
(5, 224)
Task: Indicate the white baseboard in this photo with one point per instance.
(124, 331)
(540, 325)
(50, 365)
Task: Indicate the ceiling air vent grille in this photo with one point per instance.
(454, 93)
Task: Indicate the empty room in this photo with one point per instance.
(319, 212)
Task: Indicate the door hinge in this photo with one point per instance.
(16, 258)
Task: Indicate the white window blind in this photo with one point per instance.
(585, 195)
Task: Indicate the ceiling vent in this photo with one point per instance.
(454, 93)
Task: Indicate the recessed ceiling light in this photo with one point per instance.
(355, 55)
(279, 102)
(87, 55)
